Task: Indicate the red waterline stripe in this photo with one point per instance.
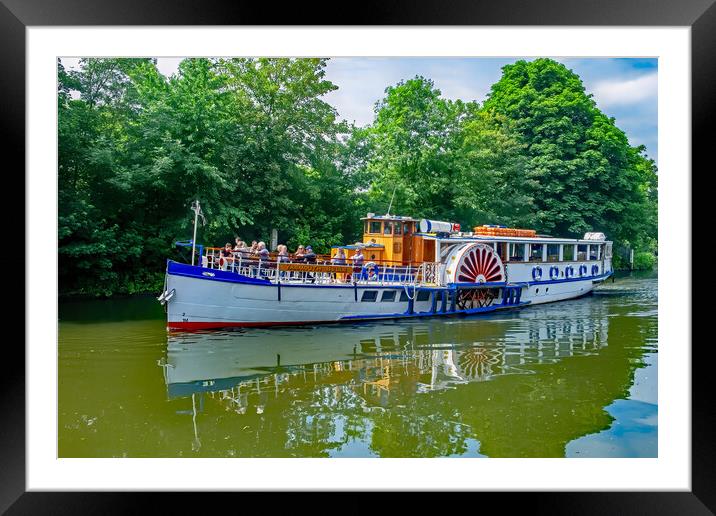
(217, 325)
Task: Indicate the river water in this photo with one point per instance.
(570, 379)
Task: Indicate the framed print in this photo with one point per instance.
(403, 171)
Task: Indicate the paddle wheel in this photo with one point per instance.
(468, 299)
(474, 264)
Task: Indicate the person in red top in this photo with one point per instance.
(226, 255)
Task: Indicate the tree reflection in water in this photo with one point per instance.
(521, 384)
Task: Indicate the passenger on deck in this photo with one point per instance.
(263, 253)
(226, 254)
(339, 258)
(282, 253)
(239, 244)
(357, 263)
(283, 257)
(358, 258)
(310, 256)
(254, 247)
(241, 251)
(300, 253)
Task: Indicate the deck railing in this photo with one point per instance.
(372, 272)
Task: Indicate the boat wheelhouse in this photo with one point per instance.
(405, 267)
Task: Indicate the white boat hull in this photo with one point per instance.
(201, 298)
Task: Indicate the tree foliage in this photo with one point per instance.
(581, 173)
(255, 142)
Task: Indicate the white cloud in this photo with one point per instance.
(632, 91)
(168, 65)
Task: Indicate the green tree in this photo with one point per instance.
(250, 138)
(414, 144)
(581, 173)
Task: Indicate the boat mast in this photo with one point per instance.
(196, 208)
(391, 200)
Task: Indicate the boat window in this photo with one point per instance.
(365, 227)
(397, 226)
(388, 295)
(500, 249)
(536, 252)
(517, 252)
(568, 253)
(423, 295)
(387, 228)
(553, 252)
(403, 297)
(581, 252)
(369, 295)
(608, 251)
(375, 226)
(594, 252)
(406, 228)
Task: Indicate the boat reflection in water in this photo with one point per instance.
(509, 385)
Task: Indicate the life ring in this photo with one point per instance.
(595, 270)
(536, 273)
(366, 270)
(582, 270)
(553, 272)
(569, 272)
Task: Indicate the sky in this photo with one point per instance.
(623, 88)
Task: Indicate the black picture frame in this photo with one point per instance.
(17, 15)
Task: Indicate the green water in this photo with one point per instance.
(575, 378)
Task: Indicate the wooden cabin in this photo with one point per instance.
(392, 239)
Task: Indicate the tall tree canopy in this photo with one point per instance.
(250, 138)
(256, 143)
(581, 173)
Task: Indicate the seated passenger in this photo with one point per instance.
(227, 251)
(243, 249)
(227, 255)
(282, 253)
(263, 253)
(299, 255)
(310, 256)
(339, 258)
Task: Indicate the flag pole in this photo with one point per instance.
(193, 240)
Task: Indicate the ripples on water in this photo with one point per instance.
(575, 378)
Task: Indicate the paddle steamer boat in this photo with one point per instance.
(411, 268)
